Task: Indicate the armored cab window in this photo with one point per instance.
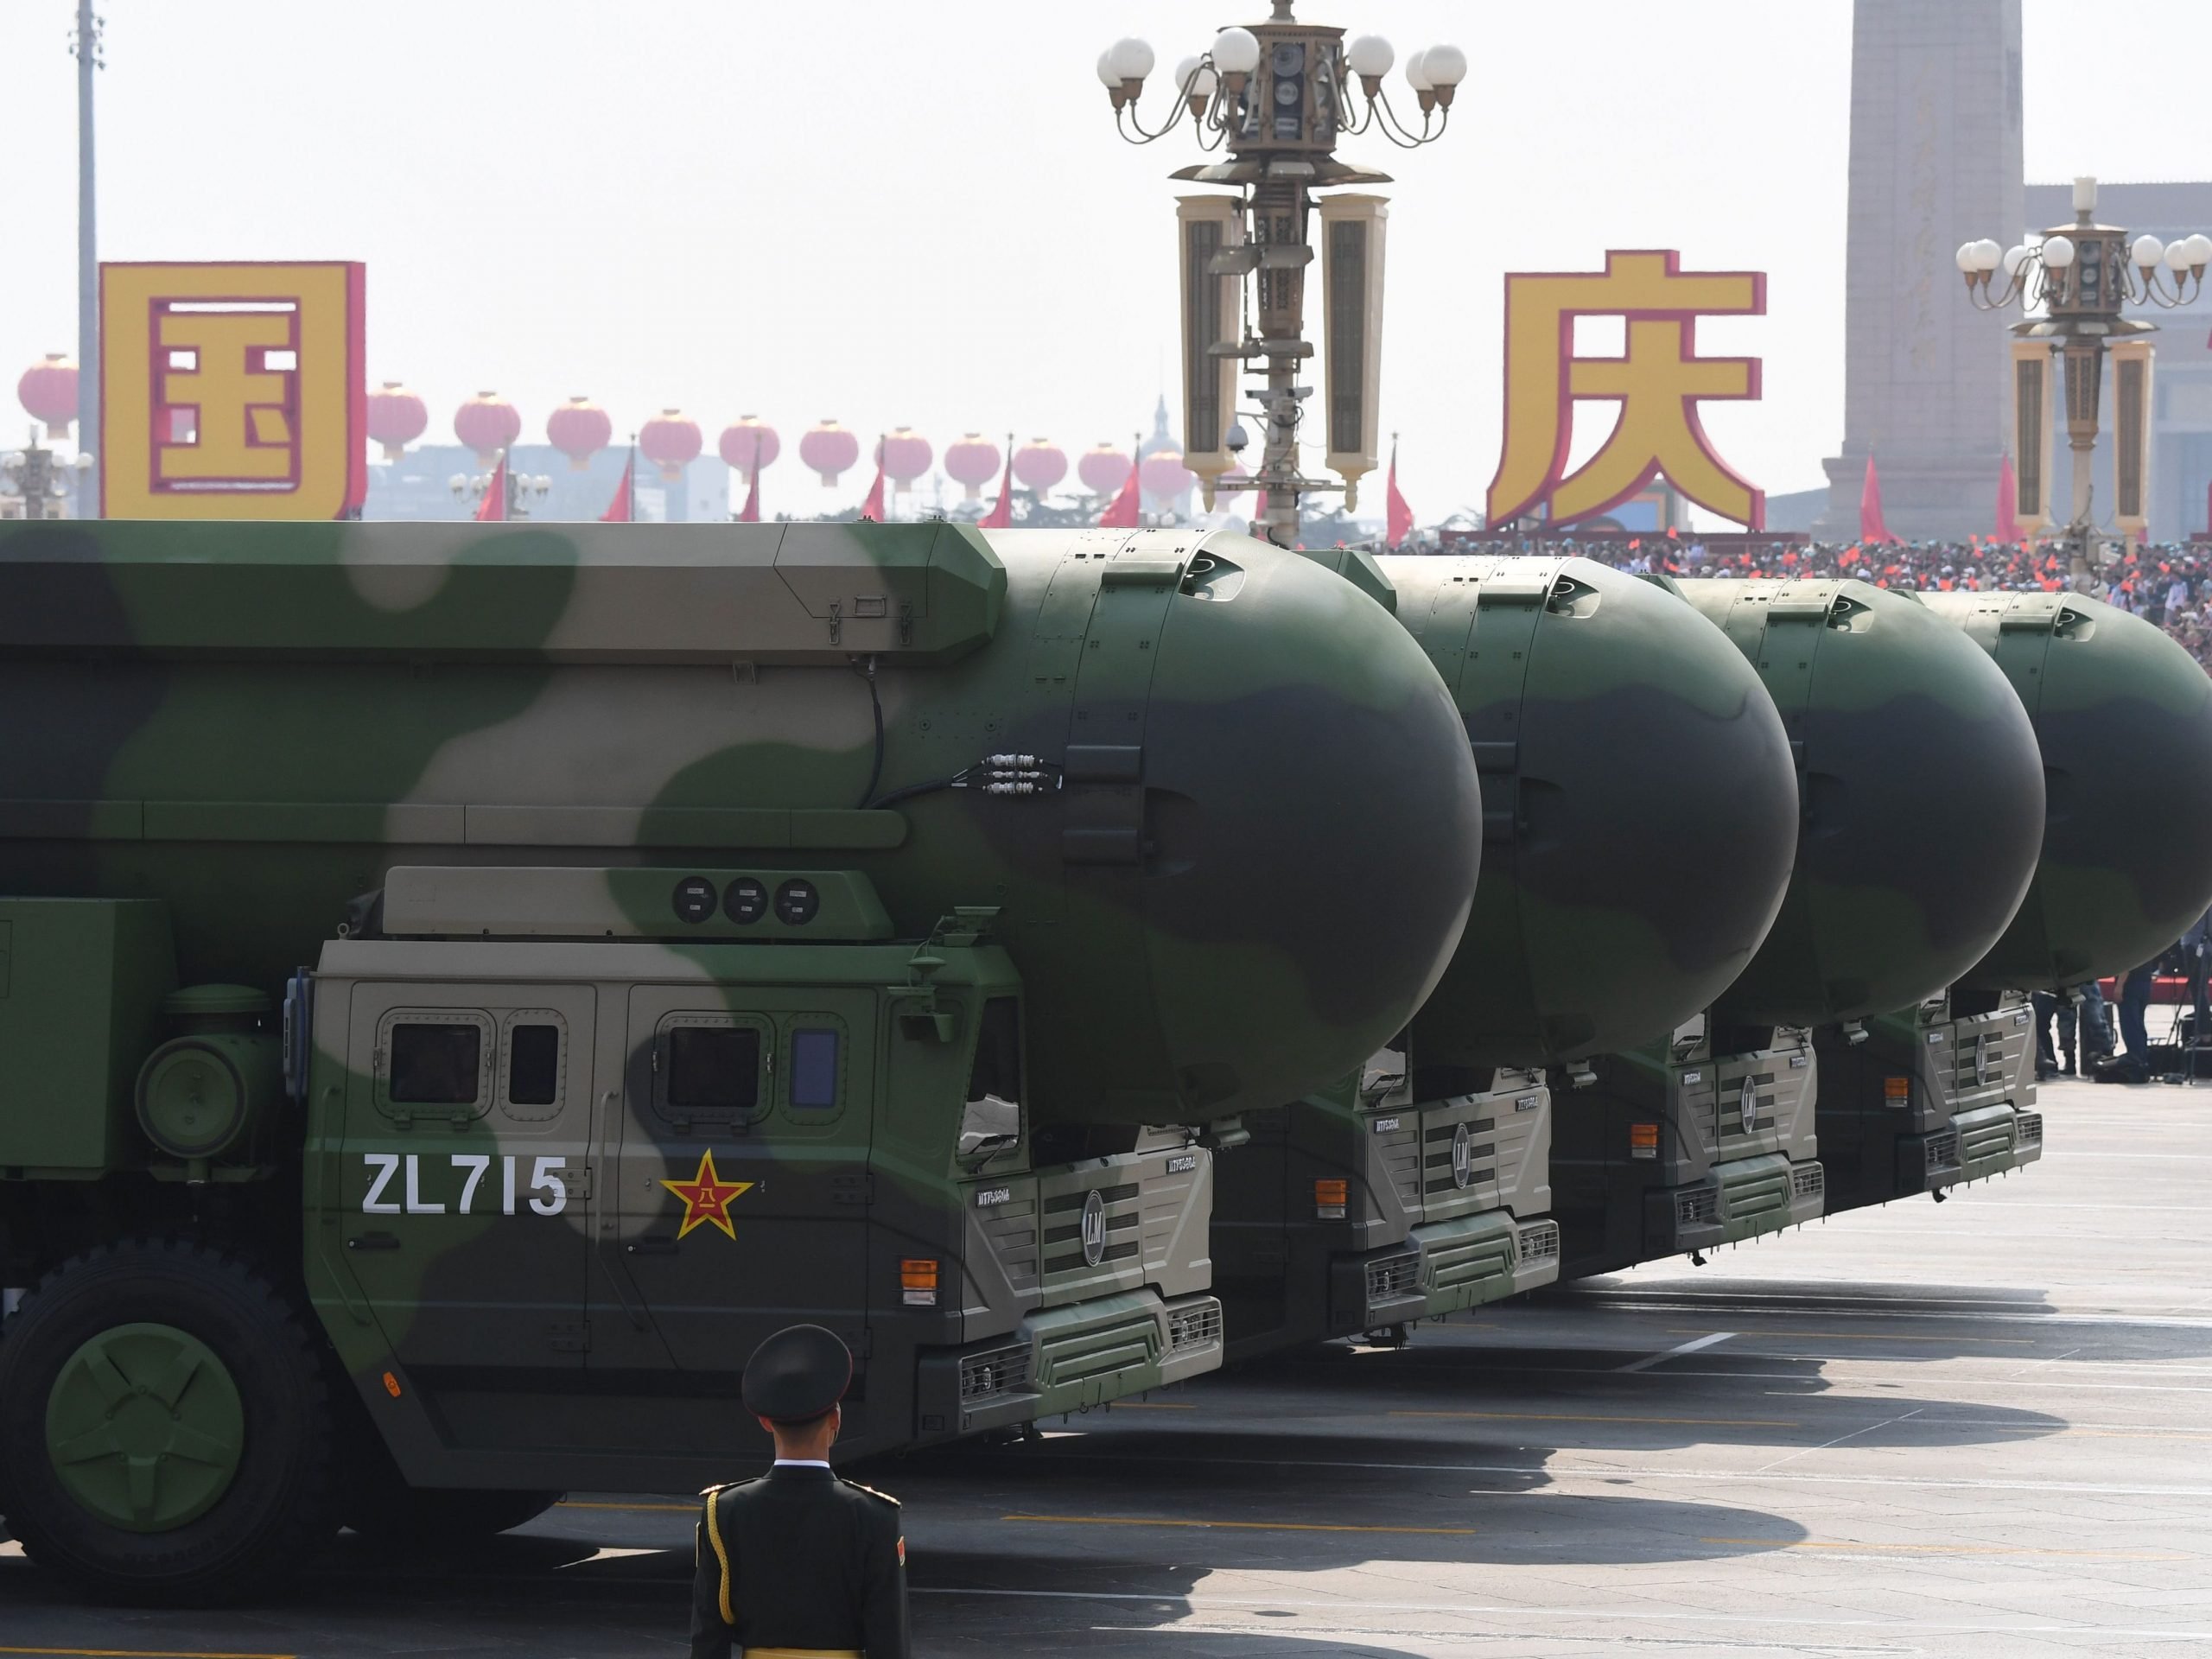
(992, 1122)
(714, 1069)
(814, 1069)
(434, 1064)
(710, 1069)
(533, 1065)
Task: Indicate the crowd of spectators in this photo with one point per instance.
(2165, 583)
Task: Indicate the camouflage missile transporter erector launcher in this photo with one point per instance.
(1617, 734)
(702, 928)
(1944, 1091)
(1920, 810)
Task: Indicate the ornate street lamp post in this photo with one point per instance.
(38, 479)
(2078, 276)
(520, 489)
(1276, 97)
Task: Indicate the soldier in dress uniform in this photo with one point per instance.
(799, 1564)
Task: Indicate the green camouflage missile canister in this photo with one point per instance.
(1923, 797)
(2124, 719)
(1163, 758)
(1640, 811)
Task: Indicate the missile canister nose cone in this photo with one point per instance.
(1317, 820)
(2124, 720)
(1640, 808)
(1923, 797)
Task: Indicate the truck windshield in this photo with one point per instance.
(992, 1122)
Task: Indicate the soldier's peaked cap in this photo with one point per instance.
(798, 1374)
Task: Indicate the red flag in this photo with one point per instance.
(1001, 516)
(622, 509)
(494, 509)
(751, 513)
(2008, 494)
(1633, 542)
(1398, 517)
(1871, 527)
(1670, 534)
(873, 507)
(1122, 512)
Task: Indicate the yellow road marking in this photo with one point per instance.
(144, 1653)
(1945, 1550)
(1235, 1526)
(1573, 1417)
(1862, 1335)
(658, 1509)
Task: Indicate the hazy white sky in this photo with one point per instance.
(920, 214)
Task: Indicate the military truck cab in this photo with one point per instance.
(579, 1139)
(501, 1202)
(1681, 1147)
(1365, 1210)
(1934, 1095)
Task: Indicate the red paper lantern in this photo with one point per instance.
(828, 449)
(1165, 474)
(487, 424)
(672, 441)
(1103, 470)
(397, 418)
(579, 428)
(748, 444)
(973, 462)
(1040, 465)
(906, 457)
(48, 391)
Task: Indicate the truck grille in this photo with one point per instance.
(1944, 1151)
(1436, 1157)
(1697, 1204)
(2030, 1128)
(1808, 1181)
(1063, 1238)
(1393, 1276)
(1194, 1327)
(1002, 1370)
(1540, 1242)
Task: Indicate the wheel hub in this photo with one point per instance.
(144, 1427)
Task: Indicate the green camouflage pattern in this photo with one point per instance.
(1640, 812)
(1923, 790)
(254, 721)
(2123, 717)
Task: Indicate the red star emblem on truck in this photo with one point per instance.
(706, 1198)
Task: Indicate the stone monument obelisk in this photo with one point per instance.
(1934, 162)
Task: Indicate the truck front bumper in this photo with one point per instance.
(1065, 1359)
(1443, 1268)
(1988, 1141)
(1739, 1199)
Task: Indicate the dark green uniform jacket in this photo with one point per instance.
(799, 1559)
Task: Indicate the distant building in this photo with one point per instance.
(2181, 374)
(418, 485)
(1935, 161)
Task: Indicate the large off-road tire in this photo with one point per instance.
(165, 1426)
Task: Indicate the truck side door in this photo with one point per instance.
(740, 1152)
(466, 1160)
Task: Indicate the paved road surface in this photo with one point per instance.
(1981, 1428)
